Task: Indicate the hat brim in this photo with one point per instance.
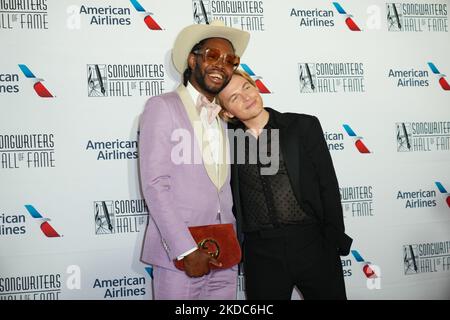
(191, 35)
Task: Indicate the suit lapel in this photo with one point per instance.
(224, 154)
(203, 142)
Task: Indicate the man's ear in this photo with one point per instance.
(191, 61)
(228, 114)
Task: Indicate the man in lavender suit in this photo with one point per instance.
(184, 173)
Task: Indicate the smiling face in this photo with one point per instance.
(241, 99)
(210, 77)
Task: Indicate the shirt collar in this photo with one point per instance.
(194, 93)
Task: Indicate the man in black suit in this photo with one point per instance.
(291, 219)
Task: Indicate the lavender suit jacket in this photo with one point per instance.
(179, 195)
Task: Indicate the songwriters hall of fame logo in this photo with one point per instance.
(202, 14)
(104, 217)
(307, 78)
(394, 18)
(410, 259)
(240, 14)
(404, 137)
(417, 17)
(97, 80)
(426, 257)
(125, 80)
(120, 216)
(423, 136)
(331, 77)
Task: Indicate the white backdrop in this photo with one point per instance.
(72, 158)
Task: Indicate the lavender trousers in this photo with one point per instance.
(176, 285)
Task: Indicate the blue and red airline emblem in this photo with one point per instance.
(442, 80)
(358, 139)
(148, 19)
(367, 270)
(44, 224)
(443, 191)
(38, 86)
(351, 24)
(262, 88)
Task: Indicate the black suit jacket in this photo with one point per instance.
(311, 174)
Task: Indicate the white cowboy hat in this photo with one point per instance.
(193, 34)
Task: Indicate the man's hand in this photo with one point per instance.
(197, 263)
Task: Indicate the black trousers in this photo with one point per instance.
(277, 260)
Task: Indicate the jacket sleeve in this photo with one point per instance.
(329, 188)
(156, 170)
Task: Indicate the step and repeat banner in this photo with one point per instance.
(75, 75)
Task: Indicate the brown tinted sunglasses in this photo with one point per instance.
(212, 55)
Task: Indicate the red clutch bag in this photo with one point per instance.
(218, 240)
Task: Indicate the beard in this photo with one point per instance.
(200, 79)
